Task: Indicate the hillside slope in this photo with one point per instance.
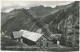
(19, 21)
(66, 22)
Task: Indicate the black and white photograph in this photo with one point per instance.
(39, 25)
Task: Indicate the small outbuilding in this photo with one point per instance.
(16, 35)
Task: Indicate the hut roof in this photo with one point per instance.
(16, 34)
(31, 35)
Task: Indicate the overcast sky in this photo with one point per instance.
(8, 5)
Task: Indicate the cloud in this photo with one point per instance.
(9, 5)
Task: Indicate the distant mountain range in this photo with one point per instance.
(41, 11)
(36, 12)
